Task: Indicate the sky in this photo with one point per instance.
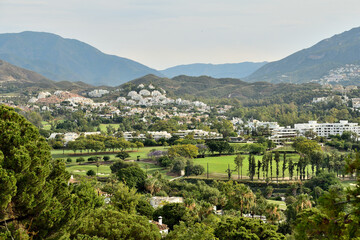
(165, 33)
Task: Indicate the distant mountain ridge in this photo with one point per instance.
(62, 59)
(227, 70)
(314, 63)
(208, 87)
(13, 78)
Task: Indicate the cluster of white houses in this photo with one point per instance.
(281, 134)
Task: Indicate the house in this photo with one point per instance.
(163, 228)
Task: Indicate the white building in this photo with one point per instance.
(283, 134)
(327, 129)
(254, 124)
(198, 134)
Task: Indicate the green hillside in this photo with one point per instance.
(313, 63)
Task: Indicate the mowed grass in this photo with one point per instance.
(103, 127)
(281, 204)
(104, 170)
(219, 164)
(46, 125)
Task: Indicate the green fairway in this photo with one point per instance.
(218, 165)
(103, 127)
(281, 204)
(104, 170)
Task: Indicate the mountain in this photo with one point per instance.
(228, 70)
(62, 59)
(13, 78)
(333, 60)
(207, 87)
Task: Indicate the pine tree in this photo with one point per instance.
(258, 168)
(284, 165)
(270, 163)
(277, 160)
(291, 169)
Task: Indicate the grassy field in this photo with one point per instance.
(281, 204)
(104, 170)
(218, 165)
(103, 127)
(46, 125)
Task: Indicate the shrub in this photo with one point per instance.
(197, 170)
(106, 158)
(92, 159)
(91, 173)
(164, 161)
(80, 159)
(69, 160)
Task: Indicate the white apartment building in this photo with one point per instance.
(327, 129)
(198, 134)
(283, 134)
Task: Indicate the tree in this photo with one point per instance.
(198, 231)
(187, 151)
(172, 214)
(258, 168)
(284, 166)
(219, 146)
(122, 155)
(239, 159)
(305, 146)
(245, 228)
(277, 160)
(198, 170)
(291, 169)
(90, 173)
(108, 223)
(125, 198)
(34, 194)
(139, 144)
(133, 176)
(120, 165)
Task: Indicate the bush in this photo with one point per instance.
(122, 155)
(178, 165)
(91, 173)
(164, 161)
(69, 160)
(106, 158)
(92, 159)
(80, 159)
(197, 170)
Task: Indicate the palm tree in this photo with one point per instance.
(303, 201)
(239, 159)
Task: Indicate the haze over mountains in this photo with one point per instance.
(335, 60)
(61, 59)
(324, 62)
(228, 70)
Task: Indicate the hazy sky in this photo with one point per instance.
(164, 33)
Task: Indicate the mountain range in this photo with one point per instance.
(211, 88)
(63, 59)
(229, 70)
(335, 60)
(13, 78)
(327, 62)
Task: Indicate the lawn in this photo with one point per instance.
(46, 125)
(103, 127)
(104, 170)
(281, 204)
(219, 164)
